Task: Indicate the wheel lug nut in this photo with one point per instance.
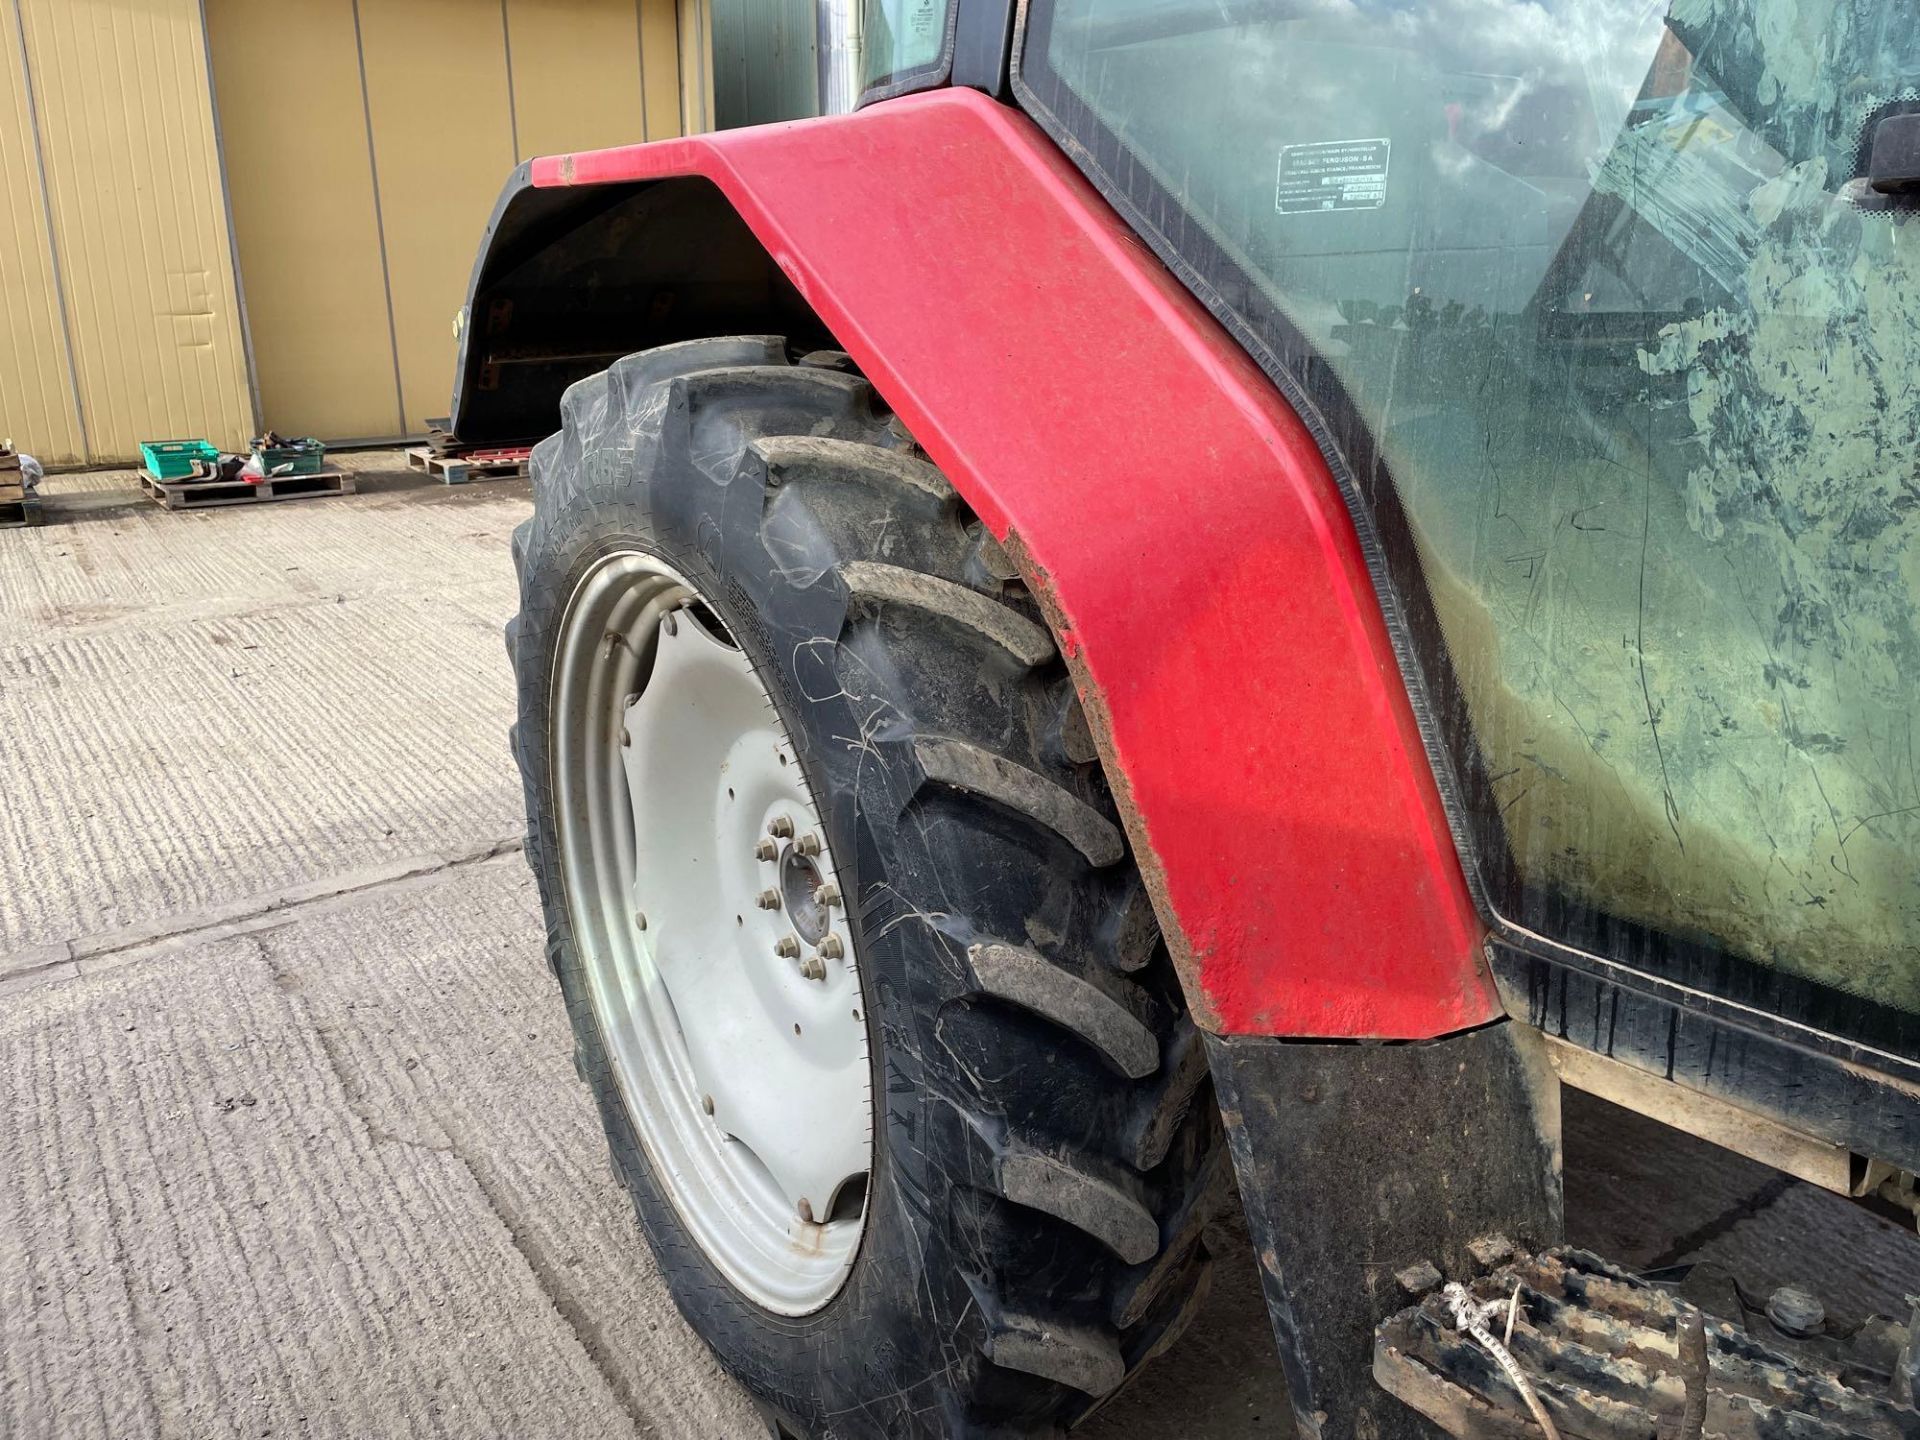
(828, 894)
(832, 948)
(669, 624)
(806, 1211)
(769, 900)
(706, 1103)
(766, 850)
(780, 827)
(640, 919)
(787, 948)
(808, 844)
(813, 968)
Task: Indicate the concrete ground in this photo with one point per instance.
(290, 1143)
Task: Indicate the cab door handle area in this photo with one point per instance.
(1893, 168)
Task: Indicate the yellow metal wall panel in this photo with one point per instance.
(576, 74)
(443, 143)
(139, 220)
(660, 44)
(293, 123)
(362, 168)
(695, 18)
(36, 392)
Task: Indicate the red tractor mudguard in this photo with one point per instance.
(1168, 508)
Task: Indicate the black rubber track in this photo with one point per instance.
(1048, 1148)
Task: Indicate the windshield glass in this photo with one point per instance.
(904, 41)
(1597, 285)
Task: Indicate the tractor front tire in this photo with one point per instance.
(1046, 1152)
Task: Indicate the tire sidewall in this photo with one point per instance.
(711, 534)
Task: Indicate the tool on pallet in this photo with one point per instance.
(270, 457)
(190, 474)
(275, 455)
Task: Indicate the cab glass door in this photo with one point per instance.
(1611, 323)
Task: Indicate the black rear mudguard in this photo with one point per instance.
(1362, 1167)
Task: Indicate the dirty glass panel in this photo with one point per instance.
(902, 37)
(1639, 349)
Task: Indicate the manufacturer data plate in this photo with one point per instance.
(1333, 175)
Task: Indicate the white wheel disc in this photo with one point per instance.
(706, 909)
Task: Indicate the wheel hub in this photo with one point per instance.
(801, 885)
(706, 907)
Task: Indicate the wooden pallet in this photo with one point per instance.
(20, 511)
(17, 507)
(472, 466)
(205, 494)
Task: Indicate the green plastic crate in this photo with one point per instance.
(174, 459)
(305, 459)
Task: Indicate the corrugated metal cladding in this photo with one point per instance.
(765, 61)
(125, 325)
(362, 145)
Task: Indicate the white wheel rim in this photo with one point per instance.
(736, 1033)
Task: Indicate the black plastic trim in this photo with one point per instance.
(518, 183)
(571, 277)
(983, 46)
(1862, 1100)
(1344, 1193)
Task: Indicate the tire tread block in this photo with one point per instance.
(972, 768)
(1029, 979)
(874, 584)
(1079, 1356)
(1055, 1186)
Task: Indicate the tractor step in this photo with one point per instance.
(1608, 1355)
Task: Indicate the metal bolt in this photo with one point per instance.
(813, 968)
(828, 894)
(706, 1103)
(766, 850)
(787, 948)
(1796, 1311)
(832, 948)
(780, 827)
(808, 844)
(670, 625)
(769, 900)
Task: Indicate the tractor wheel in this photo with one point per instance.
(861, 973)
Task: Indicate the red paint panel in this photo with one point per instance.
(1209, 580)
